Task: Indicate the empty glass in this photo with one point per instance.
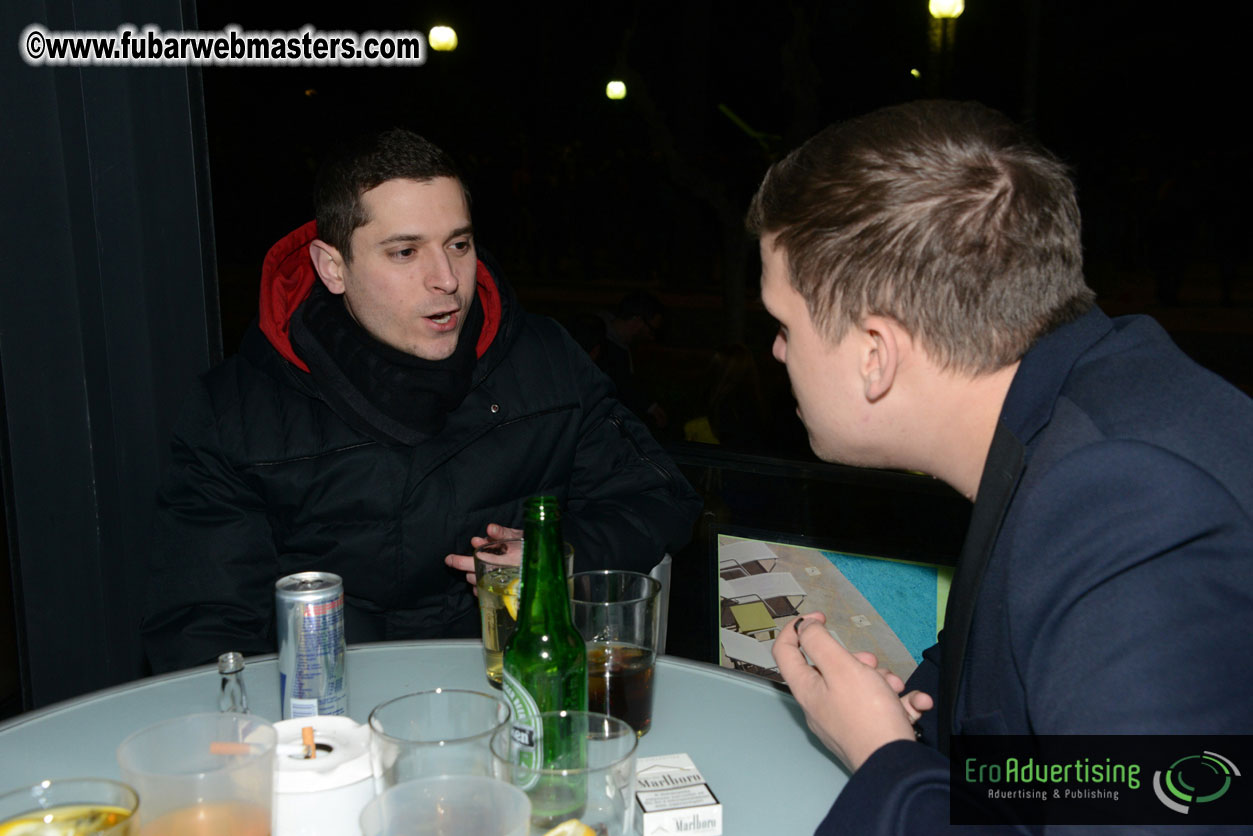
(431, 733)
(448, 805)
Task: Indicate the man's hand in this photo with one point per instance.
(914, 703)
(511, 553)
(851, 705)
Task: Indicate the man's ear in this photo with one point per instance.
(881, 355)
(329, 263)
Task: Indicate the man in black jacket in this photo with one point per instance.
(392, 402)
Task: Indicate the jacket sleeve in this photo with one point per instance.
(213, 564)
(1122, 620)
(903, 784)
(901, 788)
(926, 678)
(628, 503)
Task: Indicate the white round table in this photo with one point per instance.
(747, 736)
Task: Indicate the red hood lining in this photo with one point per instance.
(287, 277)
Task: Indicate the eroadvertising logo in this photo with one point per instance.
(1194, 779)
(1100, 779)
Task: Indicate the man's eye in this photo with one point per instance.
(460, 246)
(405, 253)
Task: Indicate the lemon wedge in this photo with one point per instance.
(571, 827)
(511, 604)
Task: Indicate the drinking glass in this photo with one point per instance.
(473, 806)
(500, 588)
(209, 774)
(431, 733)
(618, 614)
(587, 772)
(69, 807)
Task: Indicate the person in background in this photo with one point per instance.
(639, 317)
(735, 410)
(392, 406)
(925, 268)
(589, 331)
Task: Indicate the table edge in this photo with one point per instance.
(692, 665)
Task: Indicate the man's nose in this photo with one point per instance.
(440, 276)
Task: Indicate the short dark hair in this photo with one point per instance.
(942, 215)
(364, 163)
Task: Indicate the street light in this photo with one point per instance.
(442, 38)
(615, 90)
(943, 34)
(947, 9)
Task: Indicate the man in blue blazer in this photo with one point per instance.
(924, 265)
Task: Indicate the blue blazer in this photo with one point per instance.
(1106, 582)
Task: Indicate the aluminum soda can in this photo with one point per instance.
(310, 610)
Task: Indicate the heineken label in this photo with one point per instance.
(526, 729)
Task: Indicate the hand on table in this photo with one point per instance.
(851, 704)
(465, 562)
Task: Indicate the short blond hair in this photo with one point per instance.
(941, 215)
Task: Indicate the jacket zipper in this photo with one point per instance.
(630, 439)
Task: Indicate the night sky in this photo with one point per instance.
(571, 189)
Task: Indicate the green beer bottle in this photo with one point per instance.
(545, 665)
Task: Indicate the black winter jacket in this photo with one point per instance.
(267, 479)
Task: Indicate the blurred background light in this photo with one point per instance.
(947, 8)
(615, 90)
(442, 38)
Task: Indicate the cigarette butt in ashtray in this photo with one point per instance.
(306, 737)
(325, 795)
(222, 747)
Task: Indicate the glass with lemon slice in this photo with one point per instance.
(68, 807)
(571, 827)
(574, 789)
(499, 580)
